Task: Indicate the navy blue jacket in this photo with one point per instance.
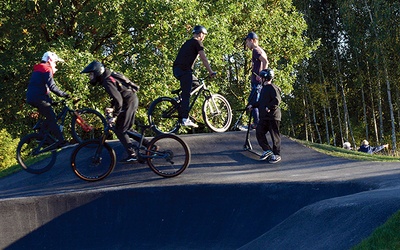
(41, 84)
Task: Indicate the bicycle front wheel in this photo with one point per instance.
(163, 114)
(31, 157)
(92, 160)
(168, 155)
(217, 113)
(94, 126)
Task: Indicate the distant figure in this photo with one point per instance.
(347, 145)
(366, 148)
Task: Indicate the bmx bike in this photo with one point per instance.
(167, 155)
(216, 110)
(37, 152)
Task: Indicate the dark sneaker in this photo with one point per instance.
(155, 148)
(130, 159)
(266, 155)
(275, 159)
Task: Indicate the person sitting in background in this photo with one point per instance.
(347, 146)
(366, 148)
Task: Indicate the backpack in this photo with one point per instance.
(125, 81)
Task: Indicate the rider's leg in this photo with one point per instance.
(50, 123)
(125, 122)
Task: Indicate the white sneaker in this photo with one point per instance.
(275, 159)
(187, 122)
(266, 155)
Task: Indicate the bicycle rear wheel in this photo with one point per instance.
(93, 161)
(31, 157)
(163, 114)
(172, 156)
(95, 122)
(217, 113)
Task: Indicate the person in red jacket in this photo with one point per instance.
(40, 86)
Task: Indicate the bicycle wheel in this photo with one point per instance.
(93, 161)
(96, 123)
(217, 113)
(172, 156)
(163, 114)
(31, 157)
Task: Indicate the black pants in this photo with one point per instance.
(271, 126)
(186, 79)
(125, 122)
(50, 123)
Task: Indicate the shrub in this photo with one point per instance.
(8, 146)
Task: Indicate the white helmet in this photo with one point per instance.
(50, 55)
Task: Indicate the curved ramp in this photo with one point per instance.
(226, 199)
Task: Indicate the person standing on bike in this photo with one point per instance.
(40, 85)
(260, 62)
(270, 117)
(183, 69)
(124, 104)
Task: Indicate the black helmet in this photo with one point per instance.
(267, 74)
(251, 35)
(199, 29)
(97, 68)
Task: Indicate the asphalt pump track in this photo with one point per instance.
(226, 199)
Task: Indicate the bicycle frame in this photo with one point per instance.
(62, 115)
(201, 89)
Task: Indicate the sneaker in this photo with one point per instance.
(187, 122)
(131, 158)
(275, 159)
(266, 155)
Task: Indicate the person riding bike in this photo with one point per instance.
(124, 104)
(183, 69)
(41, 84)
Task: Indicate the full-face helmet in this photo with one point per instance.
(97, 69)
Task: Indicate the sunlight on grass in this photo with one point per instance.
(386, 236)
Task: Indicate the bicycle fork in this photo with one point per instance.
(84, 125)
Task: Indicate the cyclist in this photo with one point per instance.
(38, 94)
(183, 69)
(259, 62)
(124, 104)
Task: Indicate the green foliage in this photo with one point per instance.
(141, 40)
(8, 147)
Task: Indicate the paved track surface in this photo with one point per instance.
(226, 199)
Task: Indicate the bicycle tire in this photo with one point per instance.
(172, 156)
(89, 165)
(34, 163)
(94, 119)
(217, 122)
(163, 115)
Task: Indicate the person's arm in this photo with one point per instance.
(53, 87)
(206, 64)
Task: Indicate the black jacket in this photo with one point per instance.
(270, 97)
